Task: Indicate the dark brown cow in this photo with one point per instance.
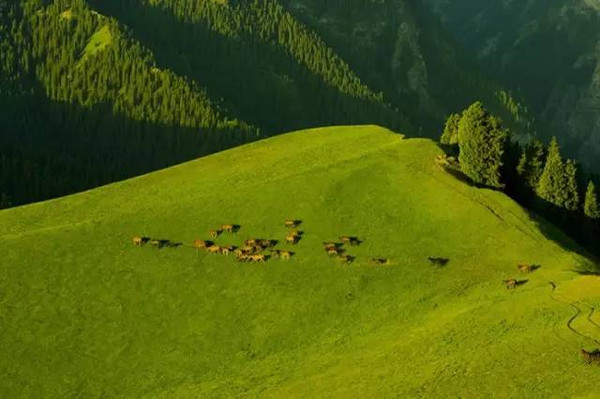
(591, 357)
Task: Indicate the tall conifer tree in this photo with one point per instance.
(482, 143)
(590, 207)
(571, 194)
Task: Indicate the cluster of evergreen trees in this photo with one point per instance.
(535, 175)
(98, 91)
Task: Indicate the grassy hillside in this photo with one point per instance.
(86, 313)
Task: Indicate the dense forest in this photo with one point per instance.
(535, 174)
(95, 91)
(548, 51)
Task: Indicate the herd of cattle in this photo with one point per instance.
(258, 250)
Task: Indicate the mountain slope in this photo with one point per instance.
(547, 49)
(112, 89)
(87, 313)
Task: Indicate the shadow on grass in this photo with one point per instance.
(571, 233)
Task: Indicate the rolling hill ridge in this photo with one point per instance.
(86, 312)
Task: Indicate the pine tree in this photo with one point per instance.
(482, 143)
(571, 194)
(590, 207)
(450, 135)
(552, 184)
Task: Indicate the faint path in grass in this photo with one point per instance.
(578, 312)
(592, 310)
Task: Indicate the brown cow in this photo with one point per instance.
(511, 283)
(250, 241)
(243, 258)
(139, 241)
(226, 250)
(282, 254)
(258, 258)
(292, 238)
(228, 228)
(215, 233)
(350, 240)
(333, 251)
(213, 249)
(292, 223)
(345, 258)
(202, 244)
(251, 249)
(527, 268)
(591, 357)
(267, 243)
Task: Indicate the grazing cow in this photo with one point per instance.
(345, 258)
(292, 223)
(156, 243)
(229, 228)
(333, 251)
(328, 245)
(215, 233)
(591, 357)
(243, 258)
(213, 249)
(292, 238)
(226, 250)
(258, 258)
(202, 244)
(250, 241)
(268, 243)
(139, 241)
(282, 254)
(350, 240)
(527, 268)
(438, 261)
(511, 283)
(380, 261)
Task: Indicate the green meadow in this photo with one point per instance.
(85, 313)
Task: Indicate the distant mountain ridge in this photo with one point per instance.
(549, 51)
(113, 89)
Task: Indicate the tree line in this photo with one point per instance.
(93, 91)
(534, 174)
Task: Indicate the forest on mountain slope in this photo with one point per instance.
(546, 50)
(96, 91)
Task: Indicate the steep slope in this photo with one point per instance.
(87, 313)
(112, 89)
(401, 50)
(547, 49)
